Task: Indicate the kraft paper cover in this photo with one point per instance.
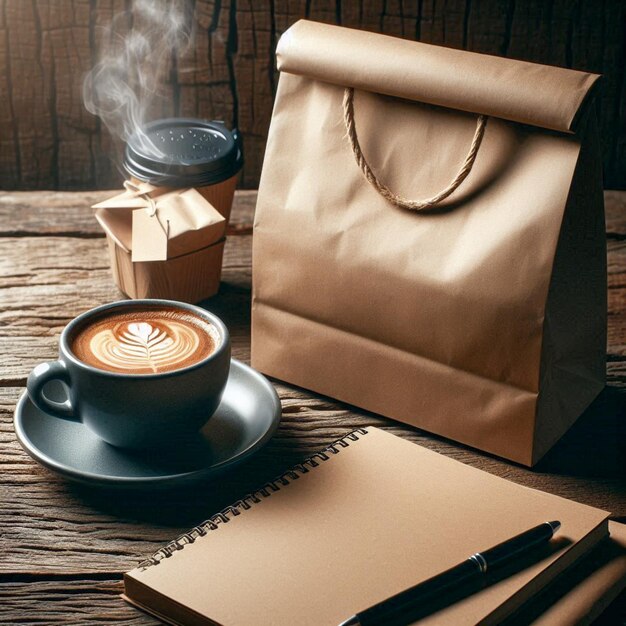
(188, 221)
(529, 93)
(377, 517)
(484, 320)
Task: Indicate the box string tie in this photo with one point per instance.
(144, 193)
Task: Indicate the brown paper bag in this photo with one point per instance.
(480, 314)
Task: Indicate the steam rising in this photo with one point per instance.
(127, 79)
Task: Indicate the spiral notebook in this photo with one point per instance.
(356, 523)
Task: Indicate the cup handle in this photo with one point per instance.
(42, 374)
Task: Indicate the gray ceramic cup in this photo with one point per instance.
(135, 410)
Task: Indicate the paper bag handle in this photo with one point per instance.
(383, 190)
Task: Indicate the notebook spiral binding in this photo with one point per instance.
(245, 503)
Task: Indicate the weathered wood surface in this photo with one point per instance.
(97, 602)
(73, 601)
(64, 598)
(49, 141)
(68, 213)
(64, 547)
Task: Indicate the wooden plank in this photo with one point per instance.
(254, 81)
(617, 298)
(106, 150)
(32, 129)
(44, 287)
(68, 602)
(69, 213)
(39, 213)
(65, 57)
(615, 208)
(78, 530)
(206, 74)
(9, 145)
(444, 24)
(49, 280)
(54, 602)
(589, 26)
(229, 73)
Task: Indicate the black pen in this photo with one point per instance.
(407, 605)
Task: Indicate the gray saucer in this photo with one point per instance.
(243, 423)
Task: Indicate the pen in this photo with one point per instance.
(406, 606)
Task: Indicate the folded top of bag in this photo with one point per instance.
(528, 93)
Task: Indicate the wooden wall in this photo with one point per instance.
(49, 141)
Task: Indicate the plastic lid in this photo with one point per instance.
(191, 153)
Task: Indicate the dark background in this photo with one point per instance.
(49, 141)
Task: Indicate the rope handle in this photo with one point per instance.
(383, 190)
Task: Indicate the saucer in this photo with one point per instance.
(244, 422)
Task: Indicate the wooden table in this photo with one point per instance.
(63, 548)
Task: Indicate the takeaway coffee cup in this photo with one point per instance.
(170, 157)
(186, 152)
(140, 373)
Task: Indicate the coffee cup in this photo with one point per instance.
(140, 373)
(177, 153)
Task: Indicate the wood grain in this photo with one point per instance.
(69, 602)
(69, 544)
(69, 213)
(49, 280)
(49, 141)
(74, 530)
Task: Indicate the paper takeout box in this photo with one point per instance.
(163, 243)
(481, 319)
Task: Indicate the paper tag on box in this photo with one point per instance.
(149, 237)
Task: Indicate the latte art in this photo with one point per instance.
(142, 345)
(145, 342)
